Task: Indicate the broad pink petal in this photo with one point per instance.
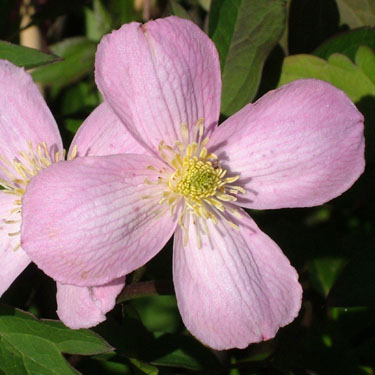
(13, 260)
(24, 115)
(81, 307)
(87, 221)
(159, 75)
(238, 290)
(102, 133)
(298, 146)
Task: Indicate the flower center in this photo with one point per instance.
(197, 185)
(19, 173)
(195, 180)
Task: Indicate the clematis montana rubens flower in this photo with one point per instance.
(103, 217)
(30, 142)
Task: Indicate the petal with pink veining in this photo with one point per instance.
(87, 221)
(13, 260)
(24, 115)
(298, 146)
(102, 133)
(82, 307)
(159, 75)
(237, 289)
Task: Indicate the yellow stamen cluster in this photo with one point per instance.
(22, 169)
(197, 184)
(196, 179)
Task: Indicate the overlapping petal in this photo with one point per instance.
(13, 260)
(237, 289)
(24, 115)
(298, 146)
(102, 133)
(81, 307)
(159, 75)
(96, 223)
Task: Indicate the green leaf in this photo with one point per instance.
(72, 124)
(205, 4)
(142, 368)
(82, 341)
(98, 21)
(133, 340)
(123, 11)
(347, 43)
(78, 54)
(31, 346)
(22, 354)
(79, 97)
(179, 11)
(244, 33)
(357, 13)
(355, 285)
(24, 56)
(182, 351)
(103, 366)
(284, 43)
(338, 70)
(365, 60)
(158, 313)
(324, 272)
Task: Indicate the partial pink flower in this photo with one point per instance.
(103, 217)
(30, 143)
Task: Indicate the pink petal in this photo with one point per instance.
(86, 221)
(81, 307)
(13, 260)
(237, 291)
(24, 114)
(159, 75)
(300, 145)
(102, 133)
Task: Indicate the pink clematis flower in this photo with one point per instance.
(30, 143)
(103, 217)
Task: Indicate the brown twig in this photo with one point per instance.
(146, 288)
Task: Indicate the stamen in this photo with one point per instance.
(226, 197)
(230, 180)
(198, 232)
(73, 154)
(11, 221)
(203, 153)
(185, 133)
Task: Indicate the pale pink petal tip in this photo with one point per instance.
(298, 146)
(25, 115)
(81, 307)
(237, 289)
(159, 75)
